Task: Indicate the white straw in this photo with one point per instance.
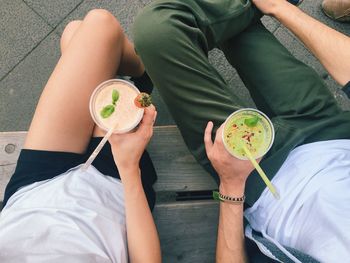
(97, 150)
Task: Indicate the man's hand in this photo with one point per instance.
(128, 148)
(231, 170)
(233, 173)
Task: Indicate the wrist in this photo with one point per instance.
(234, 188)
(128, 169)
(129, 175)
(280, 8)
(133, 189)
(127, 166)
(131, 183)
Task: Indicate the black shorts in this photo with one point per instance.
(34, 166)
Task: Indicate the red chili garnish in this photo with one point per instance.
(248, 136)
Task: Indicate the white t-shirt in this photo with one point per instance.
(82, 216)
(313, 214)
(74, 217)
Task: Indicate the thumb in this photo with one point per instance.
(148, 119)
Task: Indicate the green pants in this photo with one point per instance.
(173, 39)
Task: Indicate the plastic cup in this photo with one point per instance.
(126, 115)
(248, 128)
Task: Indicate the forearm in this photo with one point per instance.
(143, 241)
(230, 243)
(331, 47)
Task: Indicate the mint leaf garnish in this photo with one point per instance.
(107, 111)
(115, 96)
(251, 122)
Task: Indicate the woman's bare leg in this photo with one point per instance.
(68, 34)
(130, 60)
(62, 120)
(130, 64)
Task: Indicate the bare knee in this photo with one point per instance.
(105, 22)
(68, 33)
(98, 23)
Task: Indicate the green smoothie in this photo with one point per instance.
(251, 128)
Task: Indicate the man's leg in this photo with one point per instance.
(92, 51)
(301, 107)
(279, 84)
(173, 39)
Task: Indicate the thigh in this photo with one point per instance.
(218, 20)
(62, 120)
(174, 52)
(279, 84)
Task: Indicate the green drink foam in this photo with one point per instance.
(251, 128)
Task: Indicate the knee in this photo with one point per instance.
(100, 17)
(68, 33)
(105, 22)
(152, 32)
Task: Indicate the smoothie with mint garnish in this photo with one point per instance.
(250, 128)
(112, 105)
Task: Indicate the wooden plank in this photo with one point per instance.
(177, 169)
(187, 231)
(11, 144)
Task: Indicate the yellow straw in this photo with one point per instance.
(262, 174)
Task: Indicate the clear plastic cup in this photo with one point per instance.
(126, 115)
(251, 128)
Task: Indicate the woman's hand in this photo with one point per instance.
(143, 241)
(127, 148)
(232, 171)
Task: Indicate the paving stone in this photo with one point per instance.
(270, 23)
(146, 2)
(20, 90)
(21, 30)
(53, 11)
(124, 10)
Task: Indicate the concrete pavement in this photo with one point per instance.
(29, 49)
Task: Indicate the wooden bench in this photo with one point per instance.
(186, 223)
